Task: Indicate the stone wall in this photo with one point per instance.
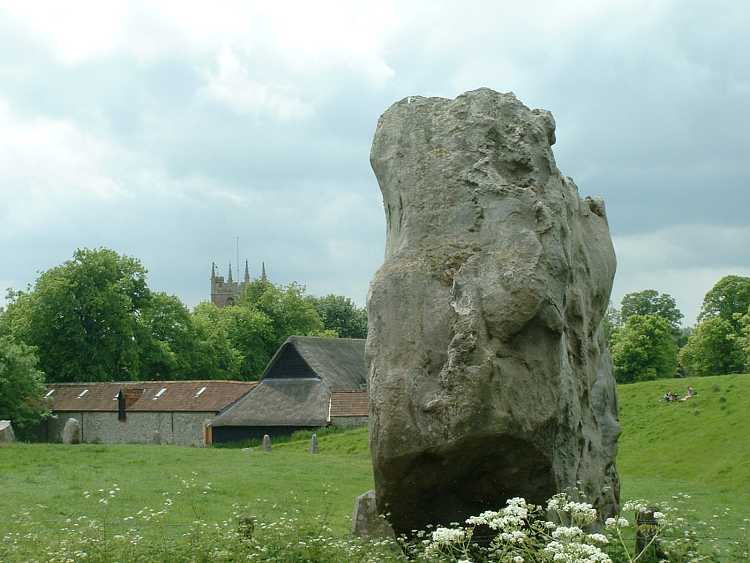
(179, 428)
(349, 421)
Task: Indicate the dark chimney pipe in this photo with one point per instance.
(121, 415)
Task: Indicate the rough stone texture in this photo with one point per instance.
(6, 432)
(489, 372)
(314, 444)
(266, 443)
(179, 428)
(366, 522)
(156, 438)
(71, 434)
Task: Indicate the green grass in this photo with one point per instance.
(287, 480)
(699, 447)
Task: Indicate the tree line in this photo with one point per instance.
(94, 318)
(647, 341)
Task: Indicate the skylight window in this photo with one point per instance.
(200, 391)
(82, 393)
(160, 393)
(49, 393)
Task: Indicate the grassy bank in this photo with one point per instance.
(697, 447)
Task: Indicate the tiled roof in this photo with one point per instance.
(148, 395)
(349, 403)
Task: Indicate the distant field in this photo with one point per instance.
(700, 447)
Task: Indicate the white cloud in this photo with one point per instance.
(232, 84)
(47, 165)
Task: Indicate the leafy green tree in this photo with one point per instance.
(251, 333)
(21, 384)
(611, 323)
(650, 302)
(341, 315)
(216, 357)
(287, 306)
(729, 299)
(169, 340)
(714, 348)
(82, 316)
(644, 349)
(744, 340)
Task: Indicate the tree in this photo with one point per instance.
(644, 349)
(251, 333)
(651, 302)
(82, 316)
(287, 306)
(744, 340)
(21, 384)
(611, 323)
(169, 340)
(729, 299)
(216, 358)
(713, 349)
(341, 315)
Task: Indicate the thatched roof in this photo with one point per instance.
(340, 362)
(280, 402)
(297, 384)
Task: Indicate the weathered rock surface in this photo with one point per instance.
(71, 433)
(366, 521)
(6, 432)
(489, 372)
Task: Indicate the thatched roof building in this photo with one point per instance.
(297, 390)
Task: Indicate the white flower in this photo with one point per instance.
(518, 559)
(567, 533)
(598, 538)
(658, 515)
(447, 536)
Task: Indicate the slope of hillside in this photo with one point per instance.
(699, 447)
(703, 439)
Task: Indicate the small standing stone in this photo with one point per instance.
(647, 526)
(314, 443)
(366, 522)
(156, 438)
(266, 443)
(71, 432)
(6, 432)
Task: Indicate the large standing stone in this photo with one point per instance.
(366, 521)
(489, 372)
(71, 432)
(266, 443)
(314, 444)
(6, 432)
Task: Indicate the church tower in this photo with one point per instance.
(228, 293)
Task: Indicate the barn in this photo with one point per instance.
(310, 382)
(133, 412)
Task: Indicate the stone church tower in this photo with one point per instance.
(227, 293)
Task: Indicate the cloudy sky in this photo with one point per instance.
(164, 131)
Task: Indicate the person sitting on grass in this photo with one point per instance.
(669, 396)
(690, 393)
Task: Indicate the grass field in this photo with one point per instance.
(698, 447)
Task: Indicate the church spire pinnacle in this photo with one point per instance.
(263, 275)
(213, 271)
(229, 279)
(247, 273)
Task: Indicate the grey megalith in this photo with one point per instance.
(489, 374)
